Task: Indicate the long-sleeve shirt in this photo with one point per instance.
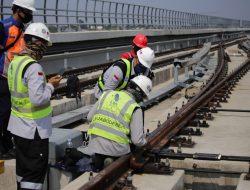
(39, 94)
(108, 147)
(112, 77)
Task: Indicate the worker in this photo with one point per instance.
(117, 121)
(139, 41)
(30, 120)
(117, 76)
(11, 43)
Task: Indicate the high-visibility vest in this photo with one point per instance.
(13, 41)
(125, 81)
(21, 105)
(113, 116)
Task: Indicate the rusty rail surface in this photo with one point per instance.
(162, 135)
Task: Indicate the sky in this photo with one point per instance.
(236, 9)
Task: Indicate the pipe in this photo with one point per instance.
(232, 110)
(205, 170)
(197, 156)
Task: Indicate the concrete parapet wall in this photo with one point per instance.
(61, 37)
(69, 104)
(152, 181)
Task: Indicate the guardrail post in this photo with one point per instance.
(86, 14)
(65, 61)
(157, 48)
(186, 72)
(107, 56)
(176, 74)
(188, 43)
(94, 15)
(177, 66)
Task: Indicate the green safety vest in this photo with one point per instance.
(21, 105)
(126, 78)
(113, 116)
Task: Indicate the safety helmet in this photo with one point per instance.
(27, 4)
(39, 30)
(146, 56)
(144, 84)
(140, 40)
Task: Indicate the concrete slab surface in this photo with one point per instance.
(243, 184)
(229, 132)
(159, 182)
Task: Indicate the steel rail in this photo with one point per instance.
(88, 83)
(186, 113)
(162, 135)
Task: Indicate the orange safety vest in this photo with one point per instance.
(12, 34)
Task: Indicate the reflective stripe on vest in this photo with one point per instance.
(126, 78)
(30, 185)
(21, 105)
(113, 116)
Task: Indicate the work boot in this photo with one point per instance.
(11, 154)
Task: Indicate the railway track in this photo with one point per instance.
(159, 63)
(216, 91)
(91, 82)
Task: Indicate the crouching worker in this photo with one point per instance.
(30, 120)
(117, 121)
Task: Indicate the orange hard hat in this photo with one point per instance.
(140, 40)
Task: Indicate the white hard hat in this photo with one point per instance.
(146, 56)
(39, 30)
(27, 4)
(144, 83)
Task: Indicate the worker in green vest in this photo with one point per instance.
(30, 120)
(117, 75)
(117, 121)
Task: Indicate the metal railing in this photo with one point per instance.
(77, 15)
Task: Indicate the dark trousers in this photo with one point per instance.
(31, 161)
(5, 109)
